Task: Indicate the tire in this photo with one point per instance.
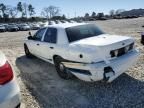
(142, 42)
(61, 69)
(27, 52)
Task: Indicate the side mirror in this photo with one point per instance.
(30, 33)
(30, 38)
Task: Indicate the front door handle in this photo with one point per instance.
(51, 47)
(38, 44)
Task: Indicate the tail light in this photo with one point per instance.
(122, 51)
(6, 74)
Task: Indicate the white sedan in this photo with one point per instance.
(83, 50)
(9, 89)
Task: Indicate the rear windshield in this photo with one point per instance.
(83, 31)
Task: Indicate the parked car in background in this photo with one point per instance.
(58, 22)
(43, 25)
(63, 21)
(83, 50)
(9, 89)
(71, 21)
(2, 28)
(24, 27)
(51, 23)
(12, 27)
(35, 26)
(6, 26)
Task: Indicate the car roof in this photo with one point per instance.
(66, 25)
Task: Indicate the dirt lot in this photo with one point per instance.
(42, 88)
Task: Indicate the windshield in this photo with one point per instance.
(83, 31)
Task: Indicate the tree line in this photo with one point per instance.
(7, 11)
(26, 12)
(102, 16)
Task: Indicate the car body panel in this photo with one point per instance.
(12, 28)
(119, 65)
(10, 95)
(91, 51)
(10, 92)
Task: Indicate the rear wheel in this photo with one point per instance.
(61, 69)
(27, 52)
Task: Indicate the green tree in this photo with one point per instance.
(87, 15)
(2, 9)
(100, 15)
(31, 10)
(63, 17)
(93, 14)
(20, 8)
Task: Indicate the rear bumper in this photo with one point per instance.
(10, 95)
(100, 71)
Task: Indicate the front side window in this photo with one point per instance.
(51, 35)
(82, 31)
(39, 34)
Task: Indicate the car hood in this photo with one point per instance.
(2, 59)
(103, 40)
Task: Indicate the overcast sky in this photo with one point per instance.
(80, 7)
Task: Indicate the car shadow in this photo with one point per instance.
(50, 91)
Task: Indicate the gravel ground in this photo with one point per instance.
(42, 88)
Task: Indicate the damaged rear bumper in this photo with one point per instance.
(101, 70)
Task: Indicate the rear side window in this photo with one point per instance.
(51, 35)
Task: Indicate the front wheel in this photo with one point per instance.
(27, 52)
(61, 69)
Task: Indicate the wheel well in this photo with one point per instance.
(25, 44)
(56, 56)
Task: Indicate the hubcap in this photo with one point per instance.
(26, 50)
(61, 66)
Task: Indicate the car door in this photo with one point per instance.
(35, 43)
(48, 45)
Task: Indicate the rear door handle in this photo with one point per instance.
(51, 47)
(38, 44)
